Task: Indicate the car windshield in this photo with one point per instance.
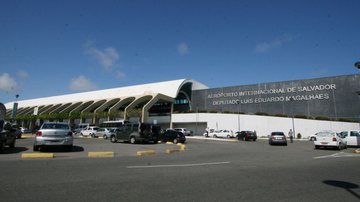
(325, 134)
(55, 126)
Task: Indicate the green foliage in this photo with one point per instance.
(135, 112)
(262, 114)
(298, 136)
(301, 116)
(324, 118)
(75, 115)
(281, 115)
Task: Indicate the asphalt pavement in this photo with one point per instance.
(206, 171)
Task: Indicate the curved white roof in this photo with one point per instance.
(169, 88)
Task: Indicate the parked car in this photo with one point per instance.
(53, 134)
(134, 132)
(277, 138)
(185, 131)
(17, 131)
(105, 132)
(25, 130)
(7, 136)
(206, 134)
(246, 135)
(80, 127)
(328, 139)
(352, 138)
(222, 133)
(89, 131)
(173, 136)
(312, 137)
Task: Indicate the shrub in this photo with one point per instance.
(281, 115)
(298, 136)
(262, 114)
(322, 118)
(301, 116)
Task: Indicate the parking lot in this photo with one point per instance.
(207, 170)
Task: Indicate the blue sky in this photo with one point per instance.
(58, 47)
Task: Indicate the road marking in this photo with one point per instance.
(37, 155)
(100, 154)
(337, 155)
(179, 165)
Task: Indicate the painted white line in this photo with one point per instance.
(337, 155)
(179, 165)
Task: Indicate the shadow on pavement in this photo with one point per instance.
(61, 149)
(345, 185)
(14, 150)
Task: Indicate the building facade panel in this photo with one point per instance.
(333, 97)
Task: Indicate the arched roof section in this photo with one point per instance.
(107, 104)
(44, 109)
(93, 106)
(121, 103)
(48, 110)
(81, 106)
(136, 102)
(168, 88)
(60, 108)
(71, 107)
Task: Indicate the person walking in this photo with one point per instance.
(291, 135)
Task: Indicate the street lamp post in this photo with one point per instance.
(357, 65)
(292, 117)
(239, 109)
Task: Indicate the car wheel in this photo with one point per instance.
(81, 134)
(35, 148)
(113, 139)
(132, 140)
(214, 136)
(2, 146)
(105, 137)
(228, 136)
(175, 141)
(12, 145)
(92, 135)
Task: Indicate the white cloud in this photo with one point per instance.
(183, 49)
(7, 83)
(276, 43)
(107, 57)
(81, 83)
(120, 75)
(23, 74)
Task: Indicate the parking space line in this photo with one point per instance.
(337, 155)
(180, 165)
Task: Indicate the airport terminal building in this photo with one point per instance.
(186, 102)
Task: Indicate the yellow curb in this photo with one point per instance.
(182, 146)
(143, 153)
(100, 154)
(357, 151)
(169, 143)
(37, 155)
(169, 151)
(27, 136)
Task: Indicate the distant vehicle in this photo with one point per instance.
(81, 127)
(328, 139)
(312, 137)
(206, 134)
(17, 131)
(105, 132)
(246, 135)
(89, 131)
(25, 130)
(277, 138)
(134, 132)
(185, 131)
(222, 133)
(352, 138)
(173, 136)
(113, 124)
(7, 135)
(53, 134)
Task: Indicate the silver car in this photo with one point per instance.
(54, 135)
(105, 132)
(277, 138)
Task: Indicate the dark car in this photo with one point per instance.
(134, 132)
(173, 136)
(7, 136)
(246, 135)
(277, 138)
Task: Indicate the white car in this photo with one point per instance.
(327, 139)
(222, 133)
(352, 138)
(185, 131)
(89, 131)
